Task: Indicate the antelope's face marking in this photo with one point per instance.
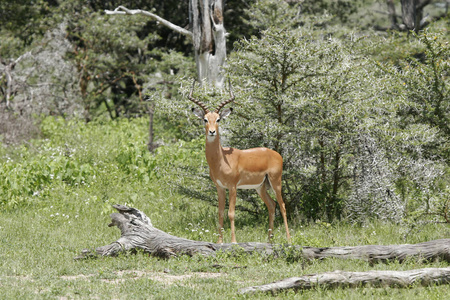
(211, 120)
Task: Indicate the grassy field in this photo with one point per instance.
(56, 196)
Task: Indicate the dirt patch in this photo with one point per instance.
(165, 277)
(162, 277)
(77, 277)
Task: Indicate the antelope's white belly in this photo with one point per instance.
(249, 186)
(242, 186)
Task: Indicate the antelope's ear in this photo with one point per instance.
(225, 113)
(198, 112)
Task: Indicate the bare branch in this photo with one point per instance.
(121, 10)
(422, 3)
(9, 77)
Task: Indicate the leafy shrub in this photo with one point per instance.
(31, 174)
(350, 134)
(75, 153)
(422, 85)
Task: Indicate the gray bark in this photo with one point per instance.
(409, 13)
(436, 249)
(138, 232)
(7, 70)
(122, 10)
(342, 279)
(412, 15)
(208, 36)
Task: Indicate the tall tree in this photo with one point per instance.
(207, 33)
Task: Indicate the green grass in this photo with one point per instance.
(48, 220)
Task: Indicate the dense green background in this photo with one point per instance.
(360, 116)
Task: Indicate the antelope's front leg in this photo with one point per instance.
(222, 200)
(231, 209)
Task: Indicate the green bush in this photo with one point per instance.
(74, 153)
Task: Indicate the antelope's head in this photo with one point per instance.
(211, 118)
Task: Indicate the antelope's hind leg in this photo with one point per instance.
(232, 193)
(275, 183)
(262, 192)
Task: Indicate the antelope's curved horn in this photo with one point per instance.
(221, 105)
(198, 102)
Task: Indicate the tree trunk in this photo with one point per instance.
(208, 36)
(151, 146)
(333, 209)
(409, 14)
(138, 232)
(209, 39)
(392, 14)
(10, 87)
(412, 15)
(341, 279)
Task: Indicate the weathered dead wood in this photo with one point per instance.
(432, 250)
(424, 277)
(138, 232)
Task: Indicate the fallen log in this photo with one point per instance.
(336, 279)
(138, 232)
(426, 251)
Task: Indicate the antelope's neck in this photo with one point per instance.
(214, 151)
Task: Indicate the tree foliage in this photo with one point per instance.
(307, 109)
(335, 119)
(39, 82)
(360, 117)
(422, 136)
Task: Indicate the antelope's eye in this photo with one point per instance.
(218, 120)
(206, 120)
